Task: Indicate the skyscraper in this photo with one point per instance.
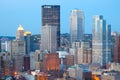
(76, 25)
(101, 41)
(20, 33)
(17, 50)
(49, 38)
(51, 17)
(28, 42)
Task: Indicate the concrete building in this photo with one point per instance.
(49, 38)
(51, 62)
(17, 50)
(6, 64)
(82, 52)
(115, 66)
(32, 61)
(69, 60)
(116, 47)
(35, 60)
(101, 41)
(79, 72)
(76, 26)
(51, 17)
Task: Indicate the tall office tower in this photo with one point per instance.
(28, 42)
(101, 41)
(76, 25)
(51, 17)
(20, 33)
(49, 38)
(17, 50)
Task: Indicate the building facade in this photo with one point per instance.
(101, 41)
(20, 33)
(51, 62)
(17, 50)
(116, 47)
(51, 17)
(76, 25)
(49, 38)
(28, 42)
(84, 53)
(26, 62)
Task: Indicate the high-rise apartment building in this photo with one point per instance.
(49, 38)
(101, 41)
(76, 26)
(51, 17)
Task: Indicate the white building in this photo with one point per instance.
(49, 38)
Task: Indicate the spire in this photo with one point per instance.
(20, 27)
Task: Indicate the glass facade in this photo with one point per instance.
(101, 41)
(76, 26)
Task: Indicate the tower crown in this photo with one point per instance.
(20, 27)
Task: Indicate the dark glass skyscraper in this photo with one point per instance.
(51, 17)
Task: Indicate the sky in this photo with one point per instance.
(28, 14)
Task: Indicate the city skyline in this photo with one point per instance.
(28, 14)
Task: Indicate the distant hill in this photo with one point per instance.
(6, 38)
